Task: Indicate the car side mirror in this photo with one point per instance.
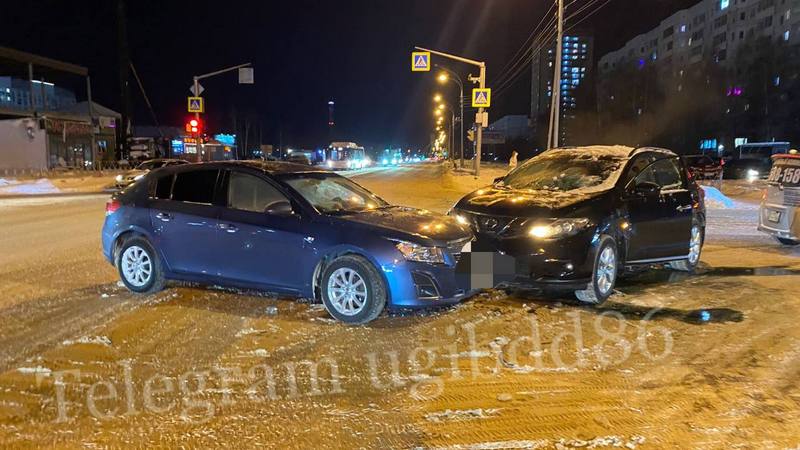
(281, 208)
(647, 189)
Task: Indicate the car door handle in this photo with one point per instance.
(164, 217)
(684, 208)
(228, 227)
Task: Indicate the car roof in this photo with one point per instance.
(621, 151)
(268, 167)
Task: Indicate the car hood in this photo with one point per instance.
(526, 203)
(418, 225)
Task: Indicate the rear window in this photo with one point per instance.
(196, 186)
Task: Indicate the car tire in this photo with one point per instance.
(353, 291)
(605, 272)
(696, 242)
(790, 242)
(139, 266)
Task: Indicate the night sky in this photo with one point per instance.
(304, 53)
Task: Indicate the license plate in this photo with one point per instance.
(774, 216)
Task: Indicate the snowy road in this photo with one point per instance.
(708, 361)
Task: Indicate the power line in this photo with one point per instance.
(524, 46)
(529, 58)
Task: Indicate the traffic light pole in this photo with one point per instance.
(482, 83)
(197, 79)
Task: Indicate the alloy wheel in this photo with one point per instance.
(347, 291)
(137, 267)
(606, 272)
(695, 245)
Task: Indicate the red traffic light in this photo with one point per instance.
(193, 126)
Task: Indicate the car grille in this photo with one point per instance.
(492, 225)
(791, 196)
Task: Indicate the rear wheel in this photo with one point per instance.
(785, 241)
(353, 290)
(695, 248)
(604, 275)
(139, 267)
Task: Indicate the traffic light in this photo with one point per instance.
(193, 126)
(471, 135)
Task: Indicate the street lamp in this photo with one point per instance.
(448, 75)
(437, 98)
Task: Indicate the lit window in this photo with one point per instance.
(683, 28)
(786, 35)
(723, 4)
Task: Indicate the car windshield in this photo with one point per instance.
(566, 170)
(332, 194)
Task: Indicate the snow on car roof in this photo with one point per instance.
(600, 150)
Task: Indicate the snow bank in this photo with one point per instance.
(40, 186)
(715, 199)
(5, 182)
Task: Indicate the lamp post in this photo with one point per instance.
(444, 77)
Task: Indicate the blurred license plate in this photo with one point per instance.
(774, 216)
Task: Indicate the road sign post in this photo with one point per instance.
(481, 83)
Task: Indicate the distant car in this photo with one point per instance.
(125, 179)
(703, 167)
(299, 158)
(747, 169)
(284, 228)
(576, 218)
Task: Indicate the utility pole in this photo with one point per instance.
(481, 80)
(555, 106)
(123, 150)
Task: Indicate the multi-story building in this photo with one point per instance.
(711, 30)
(576, 67)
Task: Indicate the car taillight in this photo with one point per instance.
(112, 206)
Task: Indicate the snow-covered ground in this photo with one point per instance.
(91, 183)
(671, 361)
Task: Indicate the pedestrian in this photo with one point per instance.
(512, 163)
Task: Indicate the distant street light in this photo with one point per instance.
(448, 75)
(437, 98)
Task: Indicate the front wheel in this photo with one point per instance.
(604, 275)
(790, 242)
(353, 291)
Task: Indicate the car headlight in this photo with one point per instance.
(418, 253)
(558, 229)
(119, 178)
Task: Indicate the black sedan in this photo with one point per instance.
(576, 218)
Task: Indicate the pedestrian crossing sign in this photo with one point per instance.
(421, 61)
(196, 105)
(481, 98)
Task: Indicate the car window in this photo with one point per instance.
(196, 186)
(666, 173)
(162, 188)
(250, 193)
(637, 164)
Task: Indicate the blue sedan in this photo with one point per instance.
(283, 228)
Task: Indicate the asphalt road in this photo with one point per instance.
(704, 361)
